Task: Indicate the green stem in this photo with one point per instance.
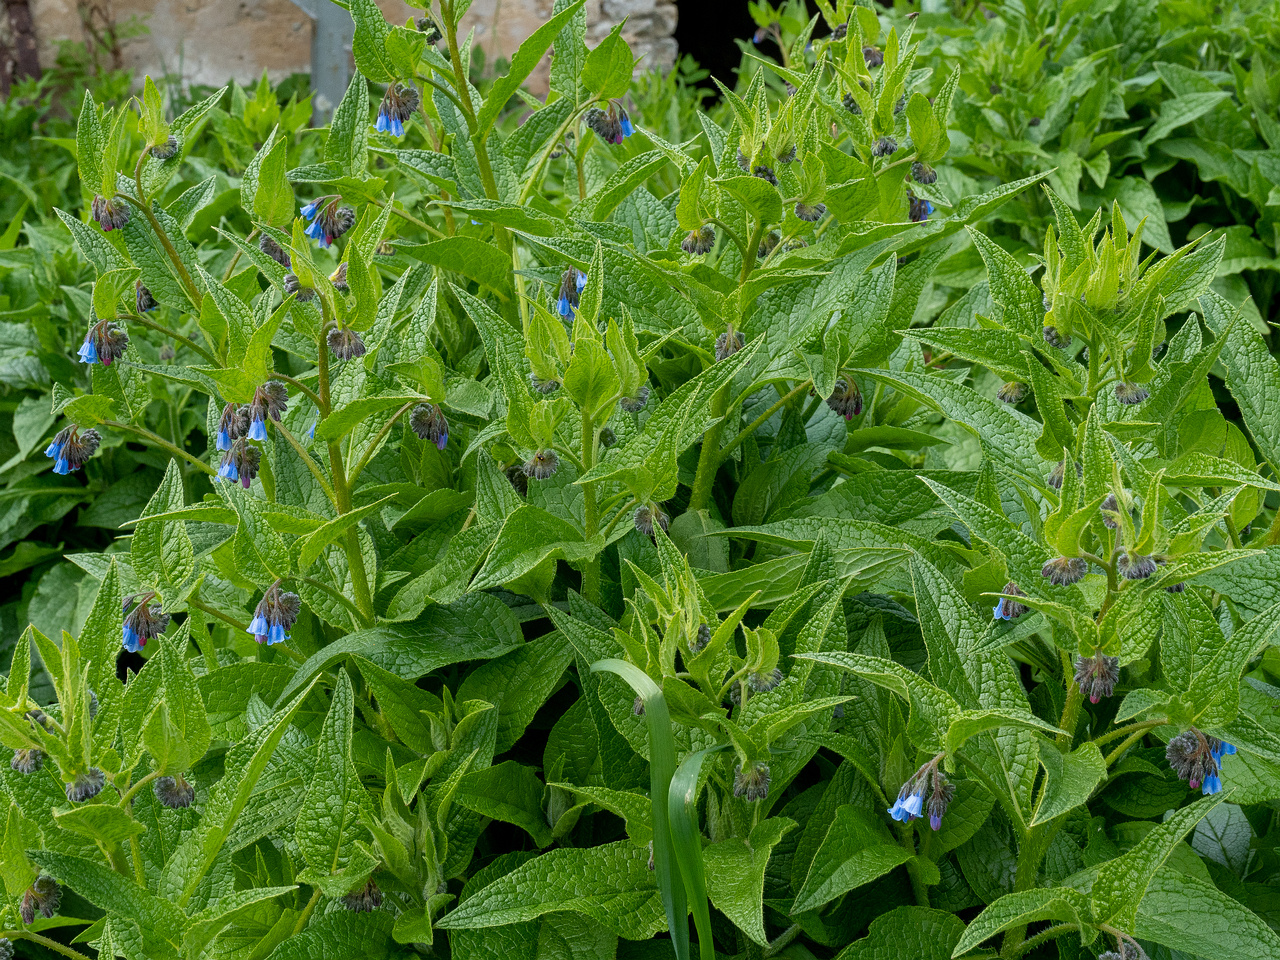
(160, 442)
(299, 385)
(132, 791)
(1070, 714)
(335, 595)
(709, 455)
(306, 913)
(591, 510)
(375, 443)
(139, 872)
(1049, 933)
(309, 461)
(355, 557)
(760, 420)
(1142, 726)
(171, 334)
(1128, 742)
(193, 292)
(783, 939)
(214, 612)
(408, 216)
(236, 259)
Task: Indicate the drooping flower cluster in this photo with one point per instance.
(143, 299)
(729, 343)
(86, 785)
(1097, 675)
(846, 399)
(428, 26)
(911, 803)
(612, 125)
(71, 449)
(397, 107)
(1006, 609)
(1135, 566)
(329, 219)
(232, 425)
(364, 899)
(1131, 393)
(269, 400)
(111, 214)
(293, 288)
(428, 422)
(884, 147)
(543, 385)
(572, 283)
(700, 241)
(106, 340)
(923, 173)
(811, 212)
(346, 344)
(275, 615)
(174, 792)
(240, 462)
(752, 782)
(1197, 758)
(27, 760)
(143, 621)
(339, 278)
(41, 897)
(873, 57)
(918, 208)
(1012, 392)
(637, 403)
(542, 465)
(1064, 571)
(166, 150)
(650, 516)
(268, 245)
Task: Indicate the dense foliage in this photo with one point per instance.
(834, 523)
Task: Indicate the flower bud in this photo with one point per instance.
(768, 243)
(700, 241)
(884, 147)
(365, 899)
(268, 245)
(232, 425)
(1197, 758)
(293, 288)
(788, 155)
(275, 615)
(106, 341)
(607, 437)
(166, 150)
(851, 104)
(766, 174)
(939, 798)
(918, 208)
(1064, 571)
(174, 792)
(1012, 392)
(701, 639)
(269, 400)
(764, 681)
(427, 26)
(1033, 122)
(345, 343)
(811, 212)
(143, 299)
(1131, 393)
(648, 516)
(729, 343)
(6, 948)
(328, 221)
(111, 214)
(1096, 676)
(637, 403)
(144, 622)
(1108, 507)
(28, 760)
(1006, 609)
(1135, 566)
(846, 399)
(550, 385)
(841, 30)
(86, 785)
(543, 465)
(1055, 478)
(1055, 338)
(339, 278)
(872, 57)
(923, 173)
(744, 162)
(70, 449)
(240, 463)
(751, 783)
(429, 423)
(637, 707)
(43, 897)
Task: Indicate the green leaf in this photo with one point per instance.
(348, 141)
(1191, 915)
(105, 823)
(854, 851)
(610, 883)
(1122, 883)
(327, 827)
(1012, 288)
(523, 62)
(607, 71)
(530, 536)
(760, 197)
(1070, 779)
(339, 935)
(1026, 906)
(591, 379)
(369, 45)
(736, 873)
(273, 201)
(510, 792)
(1181, 110)
(177, 733)
(916, 932)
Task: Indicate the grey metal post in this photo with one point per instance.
(332, 31)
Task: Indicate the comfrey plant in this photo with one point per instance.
(567, 537)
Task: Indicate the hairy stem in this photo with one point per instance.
(760, 420)
(171, 334)
(591, 510)
(160, 442)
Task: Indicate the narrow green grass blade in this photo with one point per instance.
(662, 765)
(683, 804)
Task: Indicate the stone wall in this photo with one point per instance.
(211, 41)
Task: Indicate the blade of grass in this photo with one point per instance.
(662, 765)
(683, 809)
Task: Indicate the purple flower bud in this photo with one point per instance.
(700, 241)
(1135, 566)
(329, 220)
(744, 162)
(293, 288)
(729, 343)
(242, 461)
(339, 278)
(28, 760)
(144, 301)
(1064, 571)
(163, 151)
(768, 243)
(884, 147)
(43, 896)
(86, 785)
(1012, 392)
(607, 125)
(365, 899)
(1055, 338)
(6, 948)
(1059, 473)
(268, 245)
(637, 403)
(841, 30)
(1197, 758)
(111, 214)
(766, 174)
(751, 783)
(648, 516)
(550, 385)
(269, 400)
(572, 282)
(174, 792)
(429, 423)
(701, 639)
(918, 208)
(764, 681)
(811, 212)
(543, 465)
(1131, 393)
(852, 105)
(939, 798)
(232, 425)
(346, 344)
(873, 57)
(923, 173)
(427, 26)
(1096, 676)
